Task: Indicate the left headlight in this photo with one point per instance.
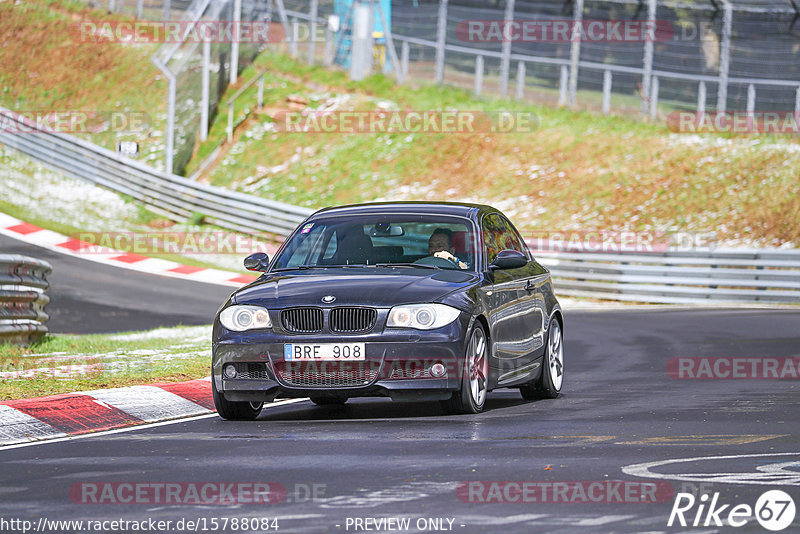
(241, 317)
(422, 316)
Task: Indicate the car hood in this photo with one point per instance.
(374, 287)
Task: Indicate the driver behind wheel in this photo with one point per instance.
(440, 245)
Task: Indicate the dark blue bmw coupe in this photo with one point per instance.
(415, 301)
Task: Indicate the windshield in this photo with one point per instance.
(423, 241)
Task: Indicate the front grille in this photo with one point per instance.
(327, 374)
(302, 320)
(352, 319)
(251, 371)
(411, 371)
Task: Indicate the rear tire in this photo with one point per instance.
(548, 386)
(328, 401)
(235, 411)
(471, 396)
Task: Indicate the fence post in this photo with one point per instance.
(478, 74)
(312, 35)
(797, 105)
(139, 8)
(328, 46)
(237, 19)
(751, 99)
(606, 92)
(505, 59)
(404, 53)
(293, 38)
(520, 80)
(261, 91)
(575, 52)
(204, 99)
(647, 66)
(562, 86)
(167, 9)
(169, 134)
(360, 51)
(170, 145)
(654, 98)
(751, 106)
(441, 34)
(701, 98)
(724, 56)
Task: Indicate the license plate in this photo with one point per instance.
(322, 352)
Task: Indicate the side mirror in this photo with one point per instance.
(257, 262)
(509, 259)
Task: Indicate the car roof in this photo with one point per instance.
(462, 209)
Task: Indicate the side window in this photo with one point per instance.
(308, 248)
(514, 240)
(493, 236)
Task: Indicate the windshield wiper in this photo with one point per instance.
(357, 265)
(415, 265)
(300, 268)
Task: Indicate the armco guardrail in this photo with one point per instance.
(23, 282)
(166, 193)
(682, 277)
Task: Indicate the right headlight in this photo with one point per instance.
(243, 317)
(422, 316)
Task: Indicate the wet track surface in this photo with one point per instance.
(376, 459)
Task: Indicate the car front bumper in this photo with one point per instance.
(397, 364)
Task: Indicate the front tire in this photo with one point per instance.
(471, 396)
(235, 411)
(549, 384)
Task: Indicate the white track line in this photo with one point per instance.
(643, 470)
(137, 427)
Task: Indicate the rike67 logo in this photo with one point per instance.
(774, 510)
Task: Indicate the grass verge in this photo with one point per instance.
(69, 363)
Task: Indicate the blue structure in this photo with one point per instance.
(341, 8)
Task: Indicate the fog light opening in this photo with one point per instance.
(230, 371)
(438, 370)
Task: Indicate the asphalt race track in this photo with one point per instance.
(376, 459)
(87, 297)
